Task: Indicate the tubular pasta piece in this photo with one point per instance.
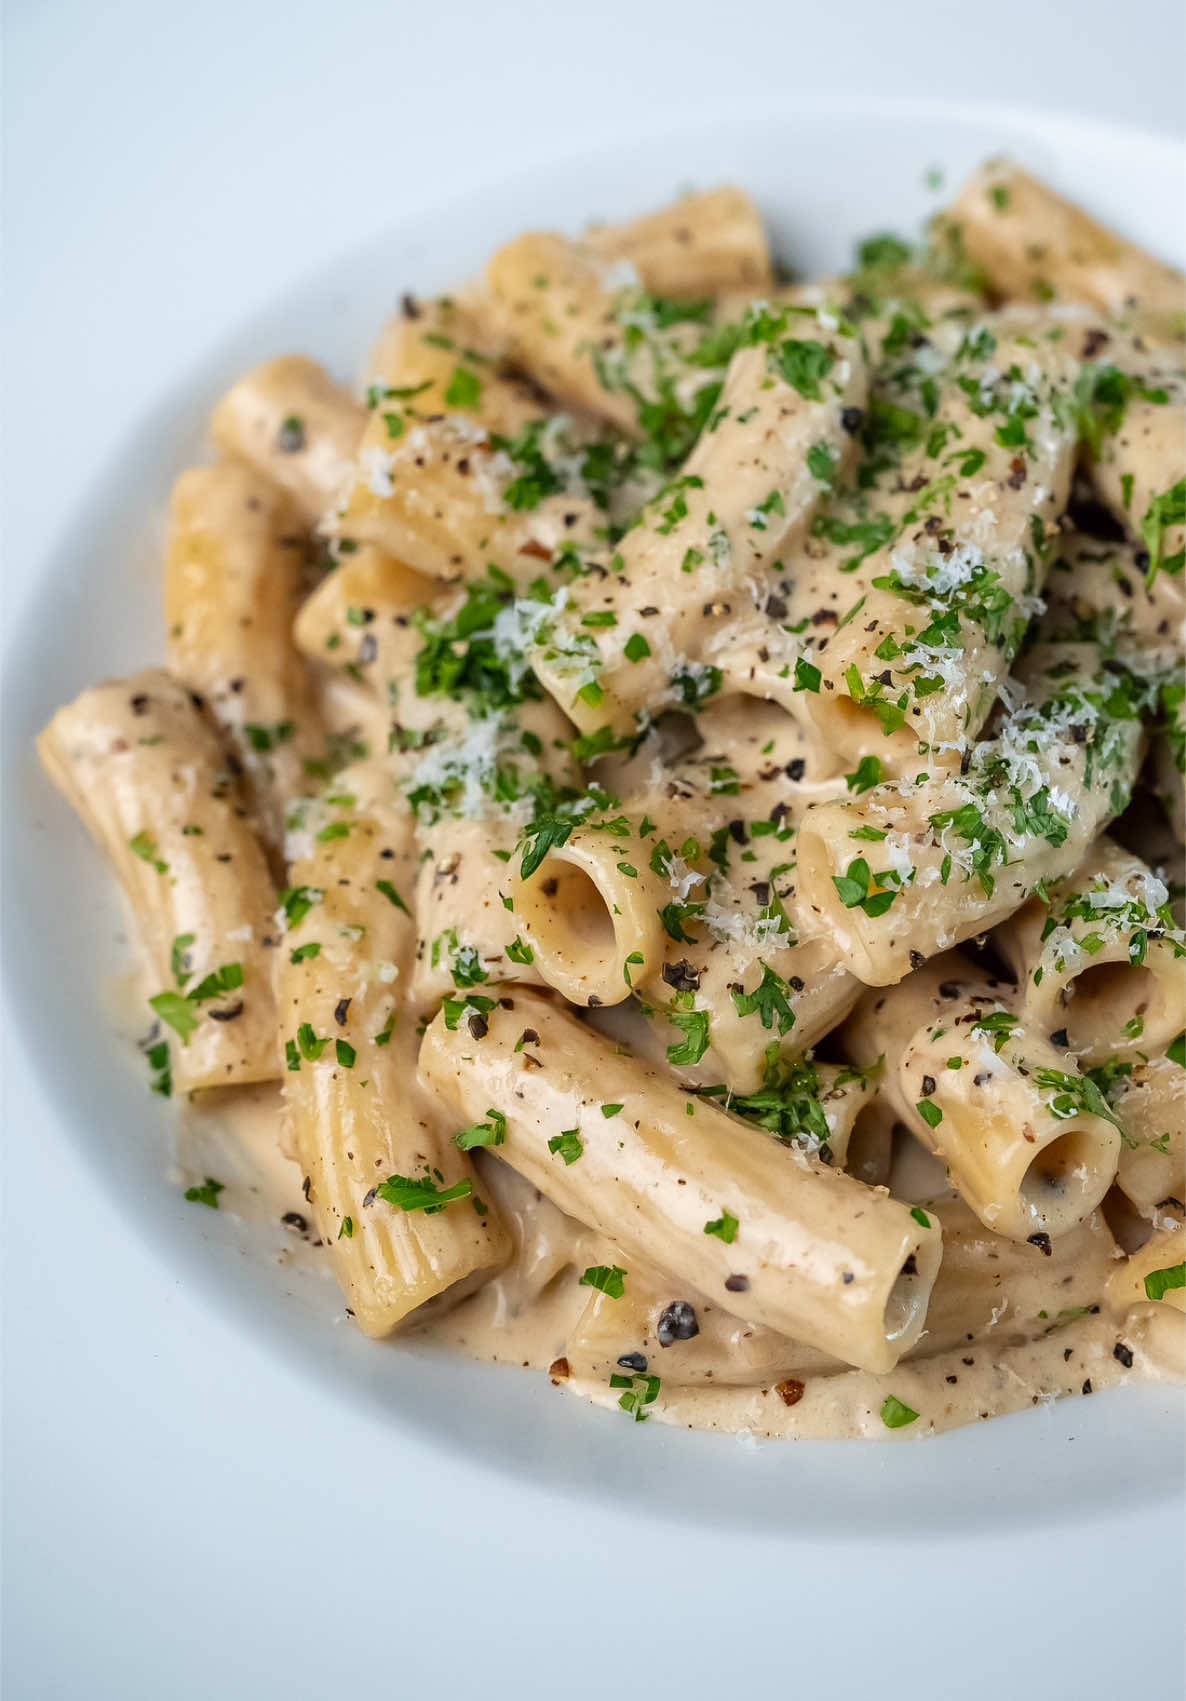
(139, 761)
(289, 420)
(834, 1263)
(909, 868)
(1100, 961)
(1007, 1112)
(356, 1114)
(1032, 242)
(232, 580)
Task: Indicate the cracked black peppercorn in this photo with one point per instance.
(677, 1323)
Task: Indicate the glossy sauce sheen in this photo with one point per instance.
(525, 1317)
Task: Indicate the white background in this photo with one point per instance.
(171, 1529)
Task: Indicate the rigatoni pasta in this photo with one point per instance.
(584, 744)
(139, 760)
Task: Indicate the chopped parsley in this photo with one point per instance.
(723, 1227)
(206, 1194)
(896, 1415)
(492, 1132)
(425, 1193)
(1160, 1282)
(567, 1145)
(608, 1279)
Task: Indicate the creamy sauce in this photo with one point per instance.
(527, 1315)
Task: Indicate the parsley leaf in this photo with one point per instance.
(422, 1193)
(895, 1415)
(606, 1278)
(723, 1227)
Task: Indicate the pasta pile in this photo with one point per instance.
(663, 738)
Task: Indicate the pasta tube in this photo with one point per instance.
(356, 1116)
(467, 935)
(1034, 244)
(689, 903)
(289, 420)
(232, 581)
(702, 548)
(911, 867)
(420, 349)
(609, 351)
(1098, 593)
(921, 576)
(1030, 1143)
(142, 766)
(817, 1255)
(986, 1287)
(360, 618)
(701, 245)
(1150, 1099)
(1099, 960)
(1168, 777)
(1137, 438)
(1155, 1272)
(458, 468)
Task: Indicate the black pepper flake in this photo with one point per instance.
(479, 1027)
(949, 989)
(737, 1284)
(848, 1278)
(1122, 1355)
(341, 1011)
(928, 1086)
(677, 1322)
(917, 959)
(307, 1187)
(228, 1015)
(140, 703)
(738, 833)
(796, 768)
(682, 976)
(369, 1198)
(634, 1361)
(529, 1037)
(852, 420)
(409, 307)
(294, 1221)
(951, 1379)
(1042, 1242)
(1060, 1037)
(1086, 1389)
(776, 608)
(910, 1267)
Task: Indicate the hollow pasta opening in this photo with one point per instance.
(1064, 1180)
(869, 1155)
(1103, 1000)
(576, 941)
(905, 1308)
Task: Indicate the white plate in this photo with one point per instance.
(823, 177)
